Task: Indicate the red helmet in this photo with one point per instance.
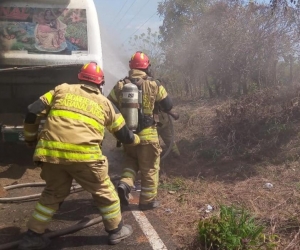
(91, 72)
(139, 61)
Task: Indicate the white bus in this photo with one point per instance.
(43, 43)
(49, 32)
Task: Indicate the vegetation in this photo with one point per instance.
(234, 68)
(149, 43)
(223, 48)
(232, 48)
(233, 229)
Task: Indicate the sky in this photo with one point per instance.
(119, 20)
(123, 18)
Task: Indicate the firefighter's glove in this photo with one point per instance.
(30, 132)
(136, 140)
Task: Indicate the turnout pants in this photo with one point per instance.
(93, 177)
(146, 159)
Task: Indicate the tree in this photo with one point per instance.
(225, 48)
(149, 43)
(284, 4)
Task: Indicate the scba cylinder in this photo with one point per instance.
(130, 105)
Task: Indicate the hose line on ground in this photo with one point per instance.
(68, 230)
(61, 232)
(74, 189)
(33, 184)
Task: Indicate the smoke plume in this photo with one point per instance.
(115, 62)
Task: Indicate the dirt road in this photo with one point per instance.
(76, 208)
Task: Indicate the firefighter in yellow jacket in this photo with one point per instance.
(146, 156)
(68, 148)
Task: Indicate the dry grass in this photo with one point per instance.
(277, 208)
(210, 172)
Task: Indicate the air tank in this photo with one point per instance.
(130, 105)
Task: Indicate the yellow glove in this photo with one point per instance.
(136, 140)
(30, 132)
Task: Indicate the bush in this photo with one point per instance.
(257, 122)
(233, 229)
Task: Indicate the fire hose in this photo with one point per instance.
(57, 233)
(68, 230)
(75, 188)
(171, 141)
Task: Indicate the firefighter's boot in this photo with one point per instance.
(115, 238)
(123, 192)
(32, 241)
(151, 205)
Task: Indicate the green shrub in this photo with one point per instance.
(233, 229)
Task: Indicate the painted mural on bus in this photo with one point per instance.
(43, 30)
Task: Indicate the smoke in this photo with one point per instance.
(115, 60)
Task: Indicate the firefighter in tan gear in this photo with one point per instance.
(146, 156)
(68, 148)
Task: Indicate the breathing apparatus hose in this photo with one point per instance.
(172, 139)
